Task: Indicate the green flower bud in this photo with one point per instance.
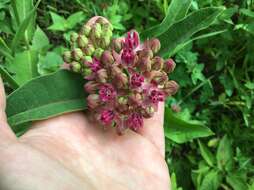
(105, 41)
(85, 30)
(74, 37)
(98, 52)
(116, 44)
(67, 56)
(75, 66)
(89, 50)
(86, 72)
(82, 41)
(97, 30)
(77, 54)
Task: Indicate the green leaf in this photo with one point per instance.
(50, 63)
(59, 22)
(21, 11)
(211, 181)
(181, 31)
(23, 27)
(206, 154)
(74, 19)
(45, 97)
(40, 40)
(181, 131)
(236, 182)
(24, 66)
(247, 12)
(176, 11)
(8, 78)
(4, 49)
(225, 154)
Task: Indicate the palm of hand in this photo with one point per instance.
(69, 153)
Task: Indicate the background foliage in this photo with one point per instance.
(215, 69)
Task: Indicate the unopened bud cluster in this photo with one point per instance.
(126, 78)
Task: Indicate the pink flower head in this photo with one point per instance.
(106, 117)
(128, 55)
(156, 96)
(95, 65)
(135, 121)
(132, 40)
(107, 92)
(137, 80)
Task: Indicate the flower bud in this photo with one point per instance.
(115, 70)
(169, 66)
(73, 37)
(104, 42)
(91, 86)
(170, 87)
(158, 77)
(102, 75)
(75, 66)
(107, 58)
(122, 104)
(157, 63)
(121, 80)
(89, 50)
(86, 72)
(97, 30)
(77, 54)
(82, 41)
(106, 117)
(67, 56)
(148, 111)
(93, 101)
(85, 30)
(145, 53)
(145, 64)
(116, 44)
(135, 99)
(153, 44)
(98, 53)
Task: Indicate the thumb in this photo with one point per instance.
(6, 133)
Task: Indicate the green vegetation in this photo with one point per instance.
(209, 125)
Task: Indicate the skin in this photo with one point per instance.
(70, 153)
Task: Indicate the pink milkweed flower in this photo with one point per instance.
(107, 92)
(107, 117)
(95, 65)
(134, 121)
(137, 80)
(156, 96)
(128, 56)
(132, 40)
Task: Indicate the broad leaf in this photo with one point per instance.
(59, 22)
(181, 31)
(181, 131)
(211, 181)
(176, 11)
(24, 66)
(206, 154)
(74, 19)
(236, 182)
(40, 40)
(225, 154)
(45, 97)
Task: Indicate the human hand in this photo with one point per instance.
(70, 153)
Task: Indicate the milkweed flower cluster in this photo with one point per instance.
(126, 79)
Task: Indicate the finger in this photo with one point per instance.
(153, 129)
(6, 133)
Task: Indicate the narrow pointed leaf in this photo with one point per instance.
(176, 11)
(182, 31)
